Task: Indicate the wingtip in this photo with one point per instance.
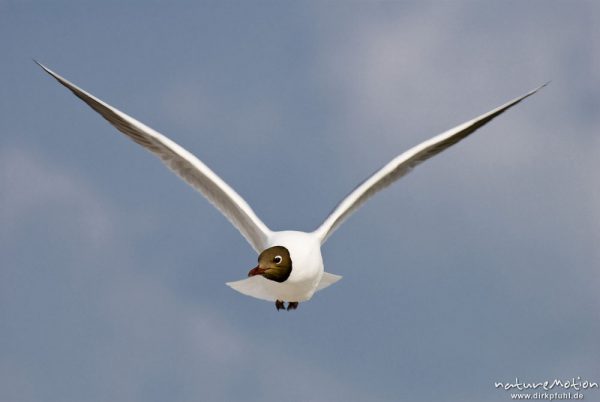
(39, 64)
(533, 91)
(46, 69)
(545, 84)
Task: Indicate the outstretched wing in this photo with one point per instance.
(403, 164)
(183, 163)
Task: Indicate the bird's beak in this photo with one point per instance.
(256, 271)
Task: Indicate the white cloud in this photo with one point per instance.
(391, 74)
(140, 327)
(400, 81)
(32, 187)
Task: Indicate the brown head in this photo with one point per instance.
(274, 263)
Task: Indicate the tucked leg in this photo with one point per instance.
(292, 306)
(279, 305)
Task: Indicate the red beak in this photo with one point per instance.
(256, 271)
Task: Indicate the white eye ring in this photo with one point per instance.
(277, 259)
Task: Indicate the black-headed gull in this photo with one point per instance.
(290, 265)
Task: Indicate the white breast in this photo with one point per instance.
(307, 270)
(305, 251)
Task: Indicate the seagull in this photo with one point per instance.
(290, 264)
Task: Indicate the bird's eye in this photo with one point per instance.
(277, 259)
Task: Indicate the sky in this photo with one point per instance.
(480, 266)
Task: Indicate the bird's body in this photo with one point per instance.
(290, 264)
(305, 278)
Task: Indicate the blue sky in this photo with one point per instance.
(480, 266)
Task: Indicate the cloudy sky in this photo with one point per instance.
(480, 266)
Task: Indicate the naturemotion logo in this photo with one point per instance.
(558, 386)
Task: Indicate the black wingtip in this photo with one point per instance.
(545, 84)
(51, 73)
(533, 91)
(42, 66)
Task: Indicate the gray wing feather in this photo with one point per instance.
(404, 163)
(183, 163)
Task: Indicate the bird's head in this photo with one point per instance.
(274, 263)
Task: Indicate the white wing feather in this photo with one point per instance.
(184, 164)
(403, 164)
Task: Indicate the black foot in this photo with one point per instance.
(292, 306)
(279, 305)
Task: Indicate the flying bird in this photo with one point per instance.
(290, 264)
